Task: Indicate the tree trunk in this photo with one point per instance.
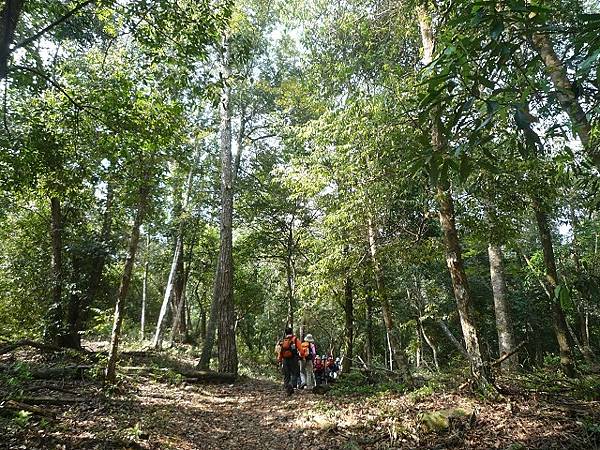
(289, 273)
(457, 344)
(454, 261)
(349, 325)
(111, 367)
(157, 341)
(55, 312)
(397, 352)
(551, 281)
(144, 292)
(9, 17)
(431, 346)
(72, 337)
(565, 93)
(228, 361)
(506, 340)
(369, 325)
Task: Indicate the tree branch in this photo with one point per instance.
(54, 24)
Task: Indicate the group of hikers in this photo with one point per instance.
(302, 366)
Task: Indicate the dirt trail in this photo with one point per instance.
(256, 414)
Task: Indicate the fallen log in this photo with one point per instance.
(29, 343)
(12, 405)
(52, 400)
(52, 373)
(189, 375)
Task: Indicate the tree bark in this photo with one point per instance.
(9, 17)
(454, 260)
(111, 367)
(55, 312)
(551, 281)
(397, 352)
(506, 340)
(565, 93)
(228, 362)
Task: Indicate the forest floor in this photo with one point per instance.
(150, 411)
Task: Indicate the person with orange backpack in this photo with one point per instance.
(290, 352)
(309, 351)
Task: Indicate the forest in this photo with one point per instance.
(413, 183)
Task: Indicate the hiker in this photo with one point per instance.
(306, 363)
(330, 368)
(319, 370)
(290, 351)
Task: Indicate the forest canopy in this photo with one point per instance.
(414, 183)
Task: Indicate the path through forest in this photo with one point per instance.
(256, 414)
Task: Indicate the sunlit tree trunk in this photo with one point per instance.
(111, 367)
(228, 361)
(454, 260)
(565, 93)
(177, 254)
(551, 281)
(398, 356)
(504, 328)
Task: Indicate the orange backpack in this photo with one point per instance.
(306, 351)
(288, 347)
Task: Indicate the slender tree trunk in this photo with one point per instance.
(349, 325)
(453, 339)
(178, 297)
(144, 291)
(558, 317)
(111, 367)
(431, 346)
(228, 361)
(289, 272)
(157, 341)
(454, 260)
(398, 354)
(369, 324)
(565, 93)
(506, 340)
(55, 312)
(9, 17)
